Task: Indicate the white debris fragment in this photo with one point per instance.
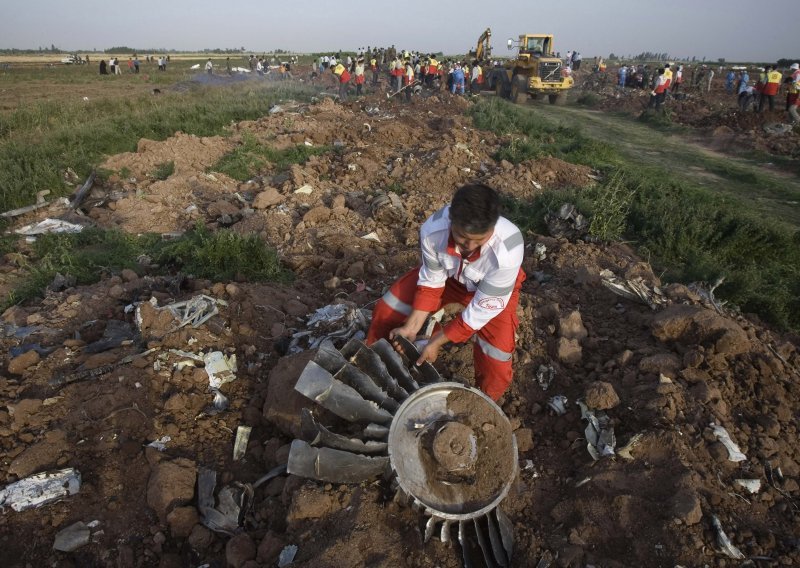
(752, 486)
(304, 189)
(221, 369)
(49, 226)
(287, 555)
(240, 445)
(72, 537)
(40, 489)
(734, 453)
(600, 439)
(373, 236)
(160, 444)
(724, 542)
(558, 404)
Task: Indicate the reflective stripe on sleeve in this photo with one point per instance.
(514, 241)
(394, 302)
(492, 351)
(491, 290)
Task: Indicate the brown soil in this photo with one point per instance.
(653, 510)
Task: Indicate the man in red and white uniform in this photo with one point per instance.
(470, 256)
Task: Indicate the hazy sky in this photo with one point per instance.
(734, 29)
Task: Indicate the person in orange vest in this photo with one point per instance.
(359, 76)
(770, 87)
(344, 78)
(659, 92)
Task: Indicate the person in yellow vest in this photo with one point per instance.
(373, 66)
(359, 76)
(343, 75)
(668, 76)
(433, 70)
(770, 88)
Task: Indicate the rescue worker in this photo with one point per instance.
(359, 76)
(408, 79)
(667, 77)
(659, 92)
(770, 87)
(433, 70)
(793, 85)
(471, 256)
(458, 80)
(373, 66)
(476, 78)
(344, 78)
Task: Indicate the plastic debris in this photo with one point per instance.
(49, 226)
(195, 311)
(72, 537)
(539, 251)
(635, 289)
(734, 453)
(752, 486)
(706, 294)
(343, 322)
(600, 439)
(304, 189)
(545, 375)
(287, 555)
(724, 542)
(778, 128)
(240, 445)
(40, 489)
(558, 404)
(160, 444)
(116, 333)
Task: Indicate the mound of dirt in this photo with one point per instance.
(94, 398)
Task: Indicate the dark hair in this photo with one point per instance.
(475, 208)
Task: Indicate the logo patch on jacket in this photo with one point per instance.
(492, 303)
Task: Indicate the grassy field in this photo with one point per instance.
(695, 215)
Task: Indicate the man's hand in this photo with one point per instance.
(405, 331)
(431, 351)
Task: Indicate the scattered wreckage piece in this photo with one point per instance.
(635, 289)
(724, 542)
(734, 453)
(224, 512)
(40, 489)
(567, 223)
(81, 194)
(426, 445)
(40, 202)
(600, 439)
(47, 226)
(334, 322)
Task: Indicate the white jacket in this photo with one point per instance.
(492, 276)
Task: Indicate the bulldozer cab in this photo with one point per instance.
(537, 45)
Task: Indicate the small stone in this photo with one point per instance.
(181, 521)
(332, 283)
(268, 198)
(524, 438)
(232, 290)
(200, 537)
(569, 351)
(171, 483)
(116, 291)
(239, 550)
(571, 326)
(601, 395)
(686, 507)
(72, 537)
(21, 363)
(356, 270)
(269, 549)
(129, 275)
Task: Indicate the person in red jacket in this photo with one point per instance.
(344, 78)
(471, 256)
(770, 87)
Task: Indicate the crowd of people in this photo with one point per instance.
(113, 66)
(756, 95)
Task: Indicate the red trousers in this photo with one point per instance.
(494, 342)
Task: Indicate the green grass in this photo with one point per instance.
(164, 170)
(251, 156)
(93, 253)
(688, 230)
(39, 142)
